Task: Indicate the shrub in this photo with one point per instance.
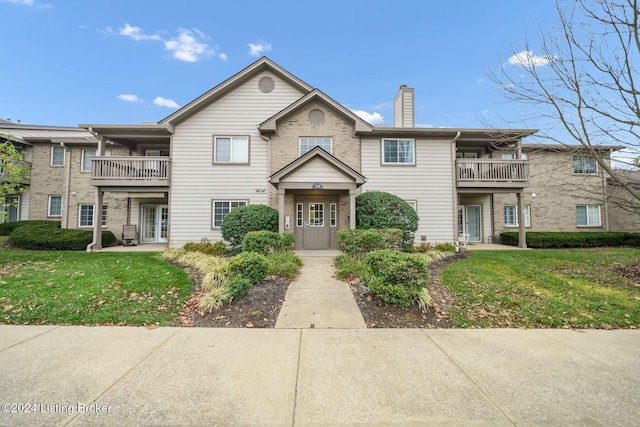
(266, 242)
(8, 227)
(586, 239)
(244, 219)
(206, 247)
(250, 265)
(445, 247)
(380, 210)
(284, 264)
(422, 248)
(47, 235)
(360, 241)
(396, 277)
(350, 267)
(238, 288)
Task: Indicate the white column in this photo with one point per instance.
(352, 209)
(97, 220)
(521, 230)
(281, 213)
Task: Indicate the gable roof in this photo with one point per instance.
(204, 100)
(270, 124)
(318, 152)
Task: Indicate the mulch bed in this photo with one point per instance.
(262, 304)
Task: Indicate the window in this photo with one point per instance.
(222, 208)
(333, 215)
(316, 214)
(57, 156)
(299, 215)
(508, 156)
(231, 149)
(10, 209)
(55, 206)
(585, 165)
(511, 216)
(85, 165)
(85, 216)
(588, 216)
(307, 144)
(397, 151)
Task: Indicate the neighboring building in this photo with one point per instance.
(264, 136)
(624, 210)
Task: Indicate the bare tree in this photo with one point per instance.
(584, 84)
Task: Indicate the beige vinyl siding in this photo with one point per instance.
(196, 181)
(429, 183)
(317, 168)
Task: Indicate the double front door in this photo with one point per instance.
(316, 223)
(154, 224)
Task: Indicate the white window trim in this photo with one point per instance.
(413, 145)
(49, 206)
(64, 156)
(526, 214)
(584, 159)
(103, 218)
(106, 153)
(333, 215)
(299, 214)
(231, 162)
(213, 209)
(588, 222)
(3, 207)
(330, 150)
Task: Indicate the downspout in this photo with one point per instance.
(67, 186)
(455, 186)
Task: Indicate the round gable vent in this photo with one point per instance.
(316, 116)
(266, 84)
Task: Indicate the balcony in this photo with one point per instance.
(112, 171)
(17, 171)
(492, 173)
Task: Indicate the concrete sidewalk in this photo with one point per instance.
(316, 299)
(79, 375)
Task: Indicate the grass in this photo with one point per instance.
(79, 288)
(572, 288)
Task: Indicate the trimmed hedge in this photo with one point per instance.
(380, 210)
(7, 228)
(396, 277)
(586, 239)
(355, 242)
(47, 235)
(244, 219)
(266, 242)
(249, 265)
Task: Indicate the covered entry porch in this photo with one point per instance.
(316, 198)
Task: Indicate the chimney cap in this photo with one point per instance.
(403, 86)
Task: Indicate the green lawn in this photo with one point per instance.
(574, 288)
(42, 287)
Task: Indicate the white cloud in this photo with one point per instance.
(259, 48)
(223, 56)
(24, 2)
(136, 33)
(129, 97)
(371, 118)
(188, 47)
(164, 102)
(526, 58)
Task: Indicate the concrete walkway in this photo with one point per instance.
(75, 375)
(316, 299)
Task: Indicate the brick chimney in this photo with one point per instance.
(403, 108)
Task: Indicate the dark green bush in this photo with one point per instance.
(244, 219)
(586, 239)
(356, 242)
(206, 247)
(381, 211)
(396, 277)
(250, 265)
(238, 288)
(8, 227)
(47, 235)
(267, 242)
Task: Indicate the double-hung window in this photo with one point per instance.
(585, 165)
(85, 216)
(307, 144)
(231, 149)
(55, 206)
(57, 156)
(85, 165)
(222, 207)
(398, 151)
(588, 216)
(10, 209)
(511, 216)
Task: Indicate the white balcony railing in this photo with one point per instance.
(492, 171)
(112, 170)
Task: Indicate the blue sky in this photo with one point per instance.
(124, 61)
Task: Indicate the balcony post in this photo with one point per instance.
(521, 230)
(97, 220)
(281, 192)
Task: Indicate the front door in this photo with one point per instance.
(155, 224)
(470, 222)
(318, 219)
